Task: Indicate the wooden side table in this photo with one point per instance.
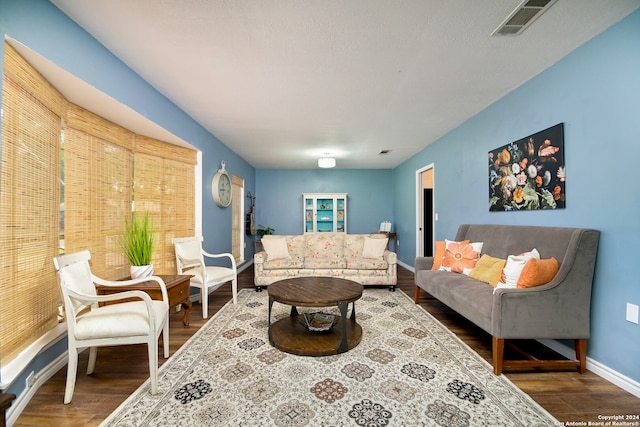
(177, 291)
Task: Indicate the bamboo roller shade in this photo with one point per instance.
(29, 205)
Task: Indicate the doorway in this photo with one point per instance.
(425, 214)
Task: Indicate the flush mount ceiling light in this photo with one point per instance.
(326, 162)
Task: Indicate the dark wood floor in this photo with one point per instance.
(567, 395)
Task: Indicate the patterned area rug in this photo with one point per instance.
(408, 370)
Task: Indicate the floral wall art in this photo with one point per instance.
(529, 174)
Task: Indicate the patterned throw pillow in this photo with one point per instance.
(460, 257)
(441, 246)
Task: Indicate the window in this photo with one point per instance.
(69, 187)
(29, 204)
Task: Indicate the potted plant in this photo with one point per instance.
(137, 244)
(263, 231)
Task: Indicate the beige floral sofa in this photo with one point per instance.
(363, 258)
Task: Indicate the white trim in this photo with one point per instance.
(245, 265)
(41, 377)
(12, 370)
(615, 377)
(408, 267)
(419, 208)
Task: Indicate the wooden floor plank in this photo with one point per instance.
(567, 395)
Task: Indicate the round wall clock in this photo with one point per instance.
(221, 187)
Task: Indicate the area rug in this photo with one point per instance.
(408, 370)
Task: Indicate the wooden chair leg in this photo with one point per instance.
(498, 355)
(581, 354)
(416, 295)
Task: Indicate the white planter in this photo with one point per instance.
(141, 271)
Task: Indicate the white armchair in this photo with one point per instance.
(132, 322)
(190, 260)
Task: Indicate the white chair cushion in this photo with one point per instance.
(126, 319)
(214, 274)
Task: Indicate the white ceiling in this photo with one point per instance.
(283, 81)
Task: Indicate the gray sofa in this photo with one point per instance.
(559, 309)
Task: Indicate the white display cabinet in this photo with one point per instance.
(325, 212)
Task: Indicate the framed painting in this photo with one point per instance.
(529, 174)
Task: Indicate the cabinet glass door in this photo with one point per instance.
(340, 214)
(308, 215)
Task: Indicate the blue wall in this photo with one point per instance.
(279, 197)
(595, 91)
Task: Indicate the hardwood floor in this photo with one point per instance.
(567, 395)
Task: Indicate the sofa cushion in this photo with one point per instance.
(469, 297)
(333, 263)
(282, 263)
(460, 257)
(367, 264)
(538, 272)
(324, 245)
(354, 243)
(374, 248)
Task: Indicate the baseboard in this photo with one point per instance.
(41, 377)
(597, 368)
(245, 265)
(408, 267)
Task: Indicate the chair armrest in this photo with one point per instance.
(222, 255)
(120, 283)
(423, 263)
(95, 299)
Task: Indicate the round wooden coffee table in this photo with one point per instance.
(291, 336)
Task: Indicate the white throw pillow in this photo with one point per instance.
(374, 248)
(275, 247)
(513, 268)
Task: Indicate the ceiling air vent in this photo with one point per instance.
(522, 17)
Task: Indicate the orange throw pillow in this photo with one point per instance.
(441, 248)
(437, 257)
(538, 272)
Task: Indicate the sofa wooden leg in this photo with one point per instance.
(498, 355)
(416, 295)
(581, 354)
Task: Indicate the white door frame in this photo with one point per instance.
(420, 208)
